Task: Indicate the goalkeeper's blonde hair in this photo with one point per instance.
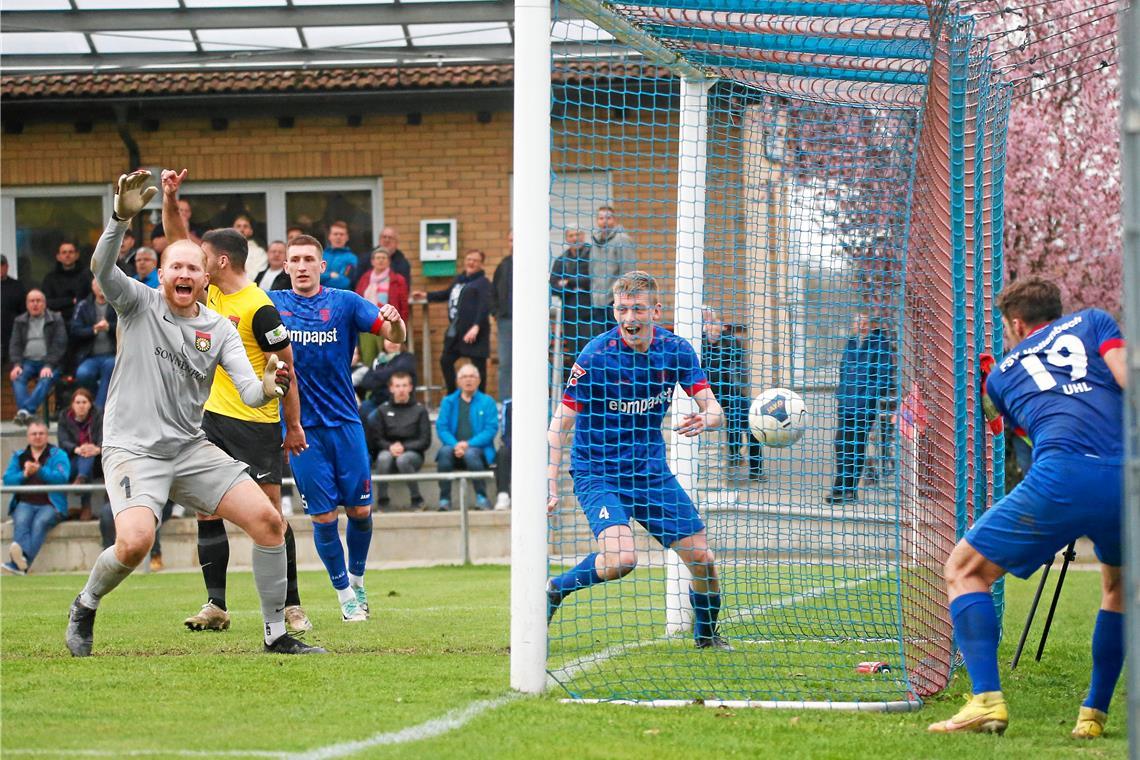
(634, 282)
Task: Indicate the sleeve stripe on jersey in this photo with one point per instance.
(570, 403)
(375, 329)
(1110, 344)
(697, 387)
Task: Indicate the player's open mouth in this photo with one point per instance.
(183, 290)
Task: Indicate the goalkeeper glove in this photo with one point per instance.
(132, 192)
(986, 364)
(275, 381)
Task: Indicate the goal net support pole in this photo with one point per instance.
(531, 215)
(689, 280)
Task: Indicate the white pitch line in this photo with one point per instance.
(580, 665)
(430, 729)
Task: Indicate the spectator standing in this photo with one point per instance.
(146, 267)
(468, 314)
(12, 303)
(340, 260)
(466, 427)
(570, 281)
(502, 291)
(503, 462)
(611, 254)
(34, 514)
(93, 338)
(373, 386)
(67, 284)
(81, 438)
(722, 357)
(866, 377)
(127, 250)
(381, 285)
(390, 239)
(258, 259)
(38, 348)
(400, 431)
(274, 276)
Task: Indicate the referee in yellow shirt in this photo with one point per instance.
(250, 435)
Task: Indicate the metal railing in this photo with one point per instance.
(462, 476)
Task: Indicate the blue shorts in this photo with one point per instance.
(660, 505)
(1061, 499)
(335, 469)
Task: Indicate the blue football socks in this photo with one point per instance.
(327, 538)
(1107, 659)
(358, 536)
(976, 631)
(581, 576)
(706, 608)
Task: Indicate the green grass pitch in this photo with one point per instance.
(438, 644)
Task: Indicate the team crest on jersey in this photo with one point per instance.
(325, 316)
(235, 320)
(201, 340)
(575, 372)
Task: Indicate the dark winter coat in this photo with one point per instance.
(55, 335)
(468, 303)
(407, 423)
(82, 328)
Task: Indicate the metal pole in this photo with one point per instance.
(464, 539)
(1130, 163)
(531, 406)
(1029, 618)
(1070, 555)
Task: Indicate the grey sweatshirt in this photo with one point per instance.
(165, 364)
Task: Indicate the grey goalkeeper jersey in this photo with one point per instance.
(165, 364)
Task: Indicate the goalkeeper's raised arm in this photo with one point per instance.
(132, 193)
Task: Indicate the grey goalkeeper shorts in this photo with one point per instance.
(197, 478)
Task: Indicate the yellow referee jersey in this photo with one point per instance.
(260, 328)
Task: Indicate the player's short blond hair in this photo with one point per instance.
(634, 282)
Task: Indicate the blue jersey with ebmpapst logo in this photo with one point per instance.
(621, 396)
(323, 330)
(1056, 385)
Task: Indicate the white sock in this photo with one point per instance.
(274, 630)
(355, 581)
(346, 594)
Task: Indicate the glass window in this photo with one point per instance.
(43, 223)
(212, 210)
(314, 211)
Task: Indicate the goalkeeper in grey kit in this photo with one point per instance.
(153, 445)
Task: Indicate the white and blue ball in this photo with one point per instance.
(778, 417)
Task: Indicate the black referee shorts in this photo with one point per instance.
(258, 444)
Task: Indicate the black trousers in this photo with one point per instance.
(447, 362)
(503, 469)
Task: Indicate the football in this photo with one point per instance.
(778, 417)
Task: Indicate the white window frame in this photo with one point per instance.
(9, 196)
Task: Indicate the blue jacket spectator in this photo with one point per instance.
(340, 260)
(466, 426)
(34, 514)
(867, 375)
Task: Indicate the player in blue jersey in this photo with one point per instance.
(1062, 383)
(335, 469)
(615, 400)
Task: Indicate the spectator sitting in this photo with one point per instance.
(12, 298)
(340, 260)
(37, 348)
(127, 251)
(373, 386)
(401, 432)
(146, 267)
(466, 427)
(381, 285)
(67, 284)
(81, 437)
(274, 276)
(503, 462)
(34, 514)
(468, 334)
(93, 339)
